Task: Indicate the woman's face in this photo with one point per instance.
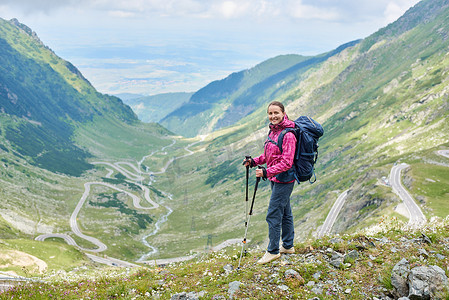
(275, 114)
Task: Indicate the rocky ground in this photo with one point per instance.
(391, 261)
(396, 264)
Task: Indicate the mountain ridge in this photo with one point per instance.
(47, 96)
(224, 102)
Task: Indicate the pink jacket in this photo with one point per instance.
(276, 161)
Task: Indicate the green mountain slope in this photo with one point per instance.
(42, 98)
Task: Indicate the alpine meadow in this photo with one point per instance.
(89, 189)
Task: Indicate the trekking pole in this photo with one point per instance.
(247, 158)
(247, 180)
(248, 219)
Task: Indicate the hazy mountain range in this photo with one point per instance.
(156, 107)
(381, 100)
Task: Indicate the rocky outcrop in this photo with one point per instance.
(423, 282)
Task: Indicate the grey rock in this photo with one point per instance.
(404, 298)
(192, 296)
(317, 290)
(316, 275)
(314, 298)
(351, 256)
(393, 249)
(384, 240)
(290, 273)
(427, 282)
(310, 283)
(440, 257)
(185, 296)
(179, 296)
(337, 263)
(283, 287)
(285, 259)
(228, 268)
(233, 288)
(335, 240)
(423, 252)
(337, 255)
(399, 277)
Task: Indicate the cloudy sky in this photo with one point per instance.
(157, 46)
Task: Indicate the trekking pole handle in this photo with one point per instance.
(247, 158)
(264, 177)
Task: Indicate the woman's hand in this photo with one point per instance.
(247, 162)
(261, 172)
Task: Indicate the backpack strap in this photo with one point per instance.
(280, 137)
(282, 134)
(270, 140)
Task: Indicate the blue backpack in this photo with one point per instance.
(307, 132)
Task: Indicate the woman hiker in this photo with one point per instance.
(279, 215)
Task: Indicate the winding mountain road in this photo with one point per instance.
(333, 214)
(416, 215)
(444, 153)
(135, 179)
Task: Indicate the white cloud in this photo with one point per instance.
(308, 12)
(392, 12)
(121, 14)
(229, 9)
(147, 8)
(46, 6)
(265, 10)
(395, 9)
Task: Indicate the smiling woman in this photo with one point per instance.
(279, 172)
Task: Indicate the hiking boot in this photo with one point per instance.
(267, 257)
(286, 251)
